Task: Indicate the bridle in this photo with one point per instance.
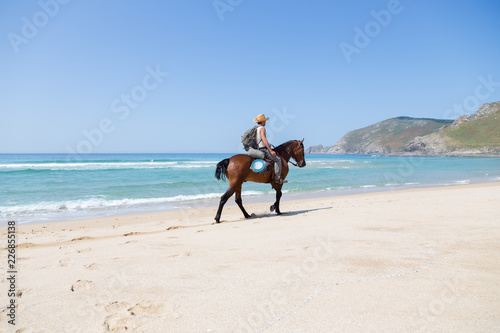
(290, 154)
(290, 161)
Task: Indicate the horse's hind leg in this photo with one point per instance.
(223, 200)
(239, 202)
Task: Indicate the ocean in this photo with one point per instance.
(54, 187)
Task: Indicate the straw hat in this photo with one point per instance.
(260, 118)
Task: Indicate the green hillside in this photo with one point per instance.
(390, 135)
(477, 133)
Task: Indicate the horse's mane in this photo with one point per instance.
(285, 144)
(283, 147)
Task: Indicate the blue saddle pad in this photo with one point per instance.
(258, 165)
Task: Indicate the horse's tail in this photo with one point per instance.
(221, 169)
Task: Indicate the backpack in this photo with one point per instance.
(249, 138)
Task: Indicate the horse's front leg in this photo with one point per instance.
(276, 205)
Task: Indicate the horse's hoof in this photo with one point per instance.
(272, 208)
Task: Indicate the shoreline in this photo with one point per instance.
(410, 260)
(259, 204)
(130, 184)
(247, 199)
(480, 155)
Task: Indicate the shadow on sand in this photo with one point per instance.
(290, 213)
(255, 216)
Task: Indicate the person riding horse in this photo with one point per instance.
(237, 169)
(265, 147)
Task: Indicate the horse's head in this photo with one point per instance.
(297, 153)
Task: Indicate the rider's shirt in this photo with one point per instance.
(259, 137)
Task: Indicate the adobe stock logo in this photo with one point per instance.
(363, 37)
(471, 103)
(223, 6)
(278, 121)
(31, 27)
(120, 110)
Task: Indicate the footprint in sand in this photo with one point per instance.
(66, 261)
(119, 319)
(84, 250)
(93, 266)
(123, 316)
(116, 306)
(145, 308)
(82, 285)
(118, 323)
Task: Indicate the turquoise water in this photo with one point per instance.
(48, 187)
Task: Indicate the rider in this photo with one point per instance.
(265, 147)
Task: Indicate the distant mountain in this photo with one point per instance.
(390, 136)
(477, 134)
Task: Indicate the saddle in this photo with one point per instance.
(260, 163)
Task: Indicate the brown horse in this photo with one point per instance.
(237, 170)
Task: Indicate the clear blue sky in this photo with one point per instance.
(91, 76)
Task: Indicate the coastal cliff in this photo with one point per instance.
(477, 134)
(386, 137)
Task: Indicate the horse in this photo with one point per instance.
(237, 170)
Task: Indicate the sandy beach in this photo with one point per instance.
(413, 260)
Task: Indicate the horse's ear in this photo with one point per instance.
(301, 140)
